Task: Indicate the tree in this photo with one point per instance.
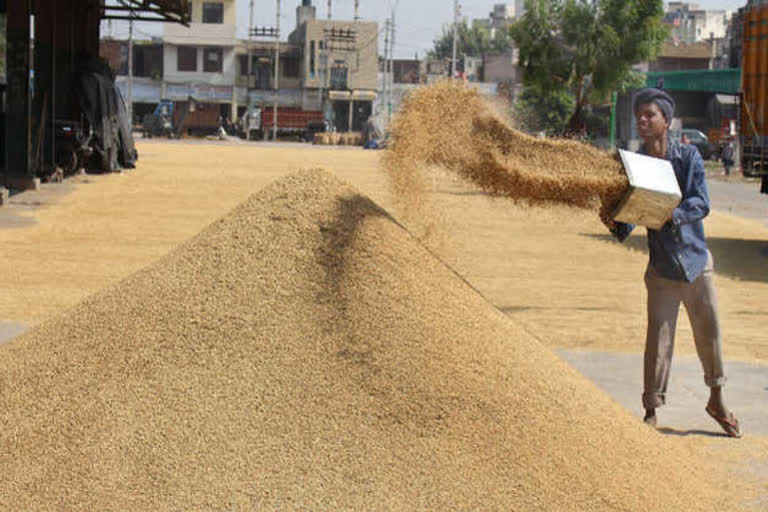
(586, 47)
(543, 110)
(476, 41)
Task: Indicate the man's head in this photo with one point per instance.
(653, 109)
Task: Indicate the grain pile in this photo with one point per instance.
(450, 125)
(305, 352)
(338, 139)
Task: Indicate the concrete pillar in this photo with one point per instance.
(233, 106)
(351, 113)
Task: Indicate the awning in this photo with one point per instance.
(352, 95)
(339, 95)
(364, 95)
(173, 11)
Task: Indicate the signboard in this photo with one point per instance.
(286, 97)
(201, 92)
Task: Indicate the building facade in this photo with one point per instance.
(689, 24)
(199, 60)
(338, 68)
(324, 65)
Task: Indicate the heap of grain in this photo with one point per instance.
(450, 125)
(305, 352)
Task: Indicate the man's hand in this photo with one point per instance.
(605, 217)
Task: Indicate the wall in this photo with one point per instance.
(267, 50)
(501, 68)
(678, 64)
(362, 62)
(199, 33)
(172, 75)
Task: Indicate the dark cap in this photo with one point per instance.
(652, 95)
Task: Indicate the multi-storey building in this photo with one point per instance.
(501, 16)
(339, 66)
(689, 24)
(325, 65)
(199, 60)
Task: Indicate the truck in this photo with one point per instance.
(754, 101)
(257, 121)
(175, 118)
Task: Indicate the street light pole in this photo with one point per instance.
(249, 76)
(277, 72)
(455, 30)
(129, 107)
(386, 68)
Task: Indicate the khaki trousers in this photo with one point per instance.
(664, 298)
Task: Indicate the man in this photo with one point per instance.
(680, 267)
(727, 157)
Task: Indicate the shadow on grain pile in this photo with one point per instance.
(451, 126)
(306, 352)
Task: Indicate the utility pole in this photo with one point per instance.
(277, 72)
(392, 60)
(329, 9)
(455, 33)
(129, 107)
(386, 67)
(357, 12)
(249, 76)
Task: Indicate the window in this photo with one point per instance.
(339, 76)
(242, 65)
(290, 67)
(186, 58)
(212, 58)
(213, 12)
(311, 58)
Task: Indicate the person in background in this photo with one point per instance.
(684, 139)
(680, 268)
(727, 157)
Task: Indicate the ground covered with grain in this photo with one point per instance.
(307, 352)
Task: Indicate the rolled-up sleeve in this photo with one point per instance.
(695, 203)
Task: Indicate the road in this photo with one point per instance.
(743, 199)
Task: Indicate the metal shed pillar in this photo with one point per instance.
(18, 172)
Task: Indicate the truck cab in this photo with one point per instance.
(250, 124)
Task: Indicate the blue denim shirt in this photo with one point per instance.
(678, 250)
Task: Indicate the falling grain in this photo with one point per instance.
(450, 125)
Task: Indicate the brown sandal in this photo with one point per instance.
(730, 424)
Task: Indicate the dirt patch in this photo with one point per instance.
(305, 352)
(9, 330)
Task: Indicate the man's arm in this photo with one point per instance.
(695, 204)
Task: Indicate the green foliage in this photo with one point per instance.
(475, 41)
(587, 47)
(546, 110)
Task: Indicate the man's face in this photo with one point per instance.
(651, 122)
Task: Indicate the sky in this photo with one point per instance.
(418, 22)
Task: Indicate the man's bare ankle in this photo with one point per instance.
(650, 417)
